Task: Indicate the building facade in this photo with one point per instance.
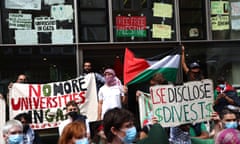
(49, 39)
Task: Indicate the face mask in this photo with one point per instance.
(15, 139)
(130, 135)
(231, 125)
(73, 115)
(82, 141)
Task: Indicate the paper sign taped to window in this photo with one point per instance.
(26, 37)
(62, 12)
(62, 36)
(23, 4)
(19, 21)
(45, 24)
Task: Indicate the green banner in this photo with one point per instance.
(130, 33)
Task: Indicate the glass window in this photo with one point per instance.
(216, 60)
(36, 22)
(93, 21)
(41, 64)
(225, 18)
(192, 19)
(137, 20)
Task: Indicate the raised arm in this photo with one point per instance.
(184, 65)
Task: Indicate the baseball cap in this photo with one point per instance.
(194, 65)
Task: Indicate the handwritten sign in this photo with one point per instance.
(20, 21)
(26, 37)
(220, 22)
(187, 103)
(45, 24)
(62, 12)
(23, 4)
(161, 31)
(131, 26)
(235, 8)
(46, 102)
(219, 7)
(162, 10)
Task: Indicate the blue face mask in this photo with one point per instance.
(233, 125)
(15, 139)
(130, 135)
(82, 141)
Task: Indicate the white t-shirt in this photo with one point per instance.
(69, 120)
(111, 97)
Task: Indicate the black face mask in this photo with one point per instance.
(25, 128)
(73, 115)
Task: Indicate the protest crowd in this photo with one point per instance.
(193, 112)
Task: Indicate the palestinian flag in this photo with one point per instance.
(137, 70)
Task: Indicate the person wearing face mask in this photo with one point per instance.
(227, 118)
(193, 72)
(74, 133)
(225, 94)
(73, 114)
(13, 132)
(118, 126)
(112, 94)
(29, 135)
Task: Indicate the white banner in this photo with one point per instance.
(46, 102)
(176, 105)
(2, 118)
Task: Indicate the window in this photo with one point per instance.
(36, 22)
(225, 19)
(136, 20)
(192, 19)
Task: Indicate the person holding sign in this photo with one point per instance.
(193, 72)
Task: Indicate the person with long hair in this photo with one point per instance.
(74, 133)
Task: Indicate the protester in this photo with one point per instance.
(87, 68)
(118, 126)
(29, 135)
(157, 79)
(228, 136)
(13, 132)
(180, 134)
(225, 94)
(156, 135)
(73, 114)
(111, 94)
(193, 72)
(74, 133)
(226, 119)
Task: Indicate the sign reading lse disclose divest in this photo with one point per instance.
(187, 103)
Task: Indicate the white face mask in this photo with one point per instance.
(82, 141)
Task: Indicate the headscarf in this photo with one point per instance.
(228, 136)
(111, 80)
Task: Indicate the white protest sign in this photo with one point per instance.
(45, 24)
(20, 21)
(51, 2)
(26, 37)
(187, 103)
(46, 102)
(23, 4)
(62, 36)
(62, 12)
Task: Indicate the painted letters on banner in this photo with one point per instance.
(46, 102)
(180, 104)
